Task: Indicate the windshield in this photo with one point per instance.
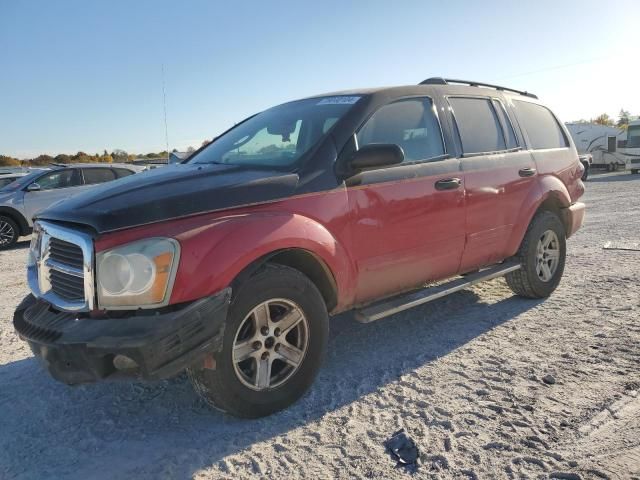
(633, 137)
(277, 137)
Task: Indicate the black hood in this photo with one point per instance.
(170, 192)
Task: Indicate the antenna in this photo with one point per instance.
(164, 103)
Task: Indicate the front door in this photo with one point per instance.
(408, 220)
(54, 187)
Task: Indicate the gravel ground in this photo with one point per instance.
(487, 384)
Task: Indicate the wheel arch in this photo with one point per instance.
(17, 217)
(551, 195)
(306, 262)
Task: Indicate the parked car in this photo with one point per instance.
(586, 160)
(6, 179)
(229, 265)
(23, 198)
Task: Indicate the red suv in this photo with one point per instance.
(229, 265)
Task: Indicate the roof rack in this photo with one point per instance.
(448, 81)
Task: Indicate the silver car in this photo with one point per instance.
(21, 199)
(7, 178)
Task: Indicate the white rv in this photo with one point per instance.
(608, 147)
(630, 148)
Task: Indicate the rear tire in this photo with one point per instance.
(253, 344)
(9, 232)
(585, 174)
(542, 256)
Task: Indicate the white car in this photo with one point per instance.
(29, 194)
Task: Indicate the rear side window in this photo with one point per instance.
(478, 125)
(507, 127)
(122, 172)
(541, 126)
(97, 175)
(411, 124)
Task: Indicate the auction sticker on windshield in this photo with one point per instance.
(338, 101)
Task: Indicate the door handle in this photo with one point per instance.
(448, 184)
(527, 172)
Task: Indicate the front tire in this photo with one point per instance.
(274, 342)
(9, 232)
(542, 255)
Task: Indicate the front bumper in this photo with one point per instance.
(82, 350)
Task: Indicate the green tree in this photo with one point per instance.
(623, 119)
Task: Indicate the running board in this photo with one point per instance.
(389, 306)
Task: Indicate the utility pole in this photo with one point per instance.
(164, 102)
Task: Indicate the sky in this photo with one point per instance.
(87, 75)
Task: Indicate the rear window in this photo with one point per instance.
(478, 125)
(541, 126)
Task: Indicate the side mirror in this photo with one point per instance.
(34, 187)
(376, 155)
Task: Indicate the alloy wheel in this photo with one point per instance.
(6, 233)
(547, 255)
(270, 344)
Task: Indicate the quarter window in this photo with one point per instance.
(478, 125)
(411, 124)
(97, 175)
(541, 126)
(123, 172)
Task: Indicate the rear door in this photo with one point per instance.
(408, 220)
(498, 176)
(54, 187)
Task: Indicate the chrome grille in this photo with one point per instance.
(65, 253)
(66, 285)
(60, 268)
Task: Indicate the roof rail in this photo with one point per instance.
(448, 81)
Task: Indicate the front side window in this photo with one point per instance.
(541, 126)
(411, 124)
(59, 179)
(277, 137)
(97, 175)
(478, 125)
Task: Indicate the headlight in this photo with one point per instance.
(137, 275)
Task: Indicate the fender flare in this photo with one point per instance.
(550, 191)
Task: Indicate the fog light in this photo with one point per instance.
(122, 362)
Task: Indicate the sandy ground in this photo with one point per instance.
(464, 376)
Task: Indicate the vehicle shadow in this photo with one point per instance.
(623, 177)
(151, 430)
(19, 245)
